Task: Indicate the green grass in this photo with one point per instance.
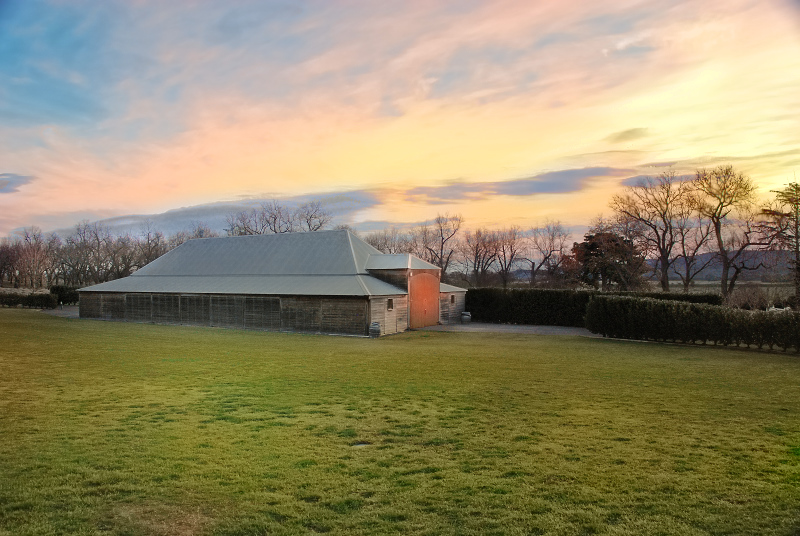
(112, 428)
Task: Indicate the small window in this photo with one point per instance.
(452, 298)
(389, 304)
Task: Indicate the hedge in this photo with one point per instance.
(37, 301)
(626, 317)
(528, 306)
(706, 297)
(65, 294)
(549, 307)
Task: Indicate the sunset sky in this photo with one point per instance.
(508, 112)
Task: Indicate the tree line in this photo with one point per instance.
(482, 257)
(90, 254)
(665, 225)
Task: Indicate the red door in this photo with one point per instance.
(423, 293)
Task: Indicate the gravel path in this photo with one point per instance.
(478, 327)
(67, 311)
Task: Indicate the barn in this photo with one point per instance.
(321, 282)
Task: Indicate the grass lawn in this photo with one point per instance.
(112, 428)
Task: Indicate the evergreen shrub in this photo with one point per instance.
(37, 301)
(628, 317)
(551, 307)
(546, 307)
(710, 298)
(64, 294)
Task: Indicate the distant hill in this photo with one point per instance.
(777, 262)
(778, 268)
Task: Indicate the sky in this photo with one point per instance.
(391, 112)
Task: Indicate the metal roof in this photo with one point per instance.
(294, 285)
(322, 263)
(317, 253)
(397, 261)
(444, 287)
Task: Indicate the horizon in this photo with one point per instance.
(507, 114)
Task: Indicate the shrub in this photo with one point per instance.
(65, 294)
(628, 317)
(547, 307)
(706, 297)
(38, 301)
(750, 297)
(551, 307)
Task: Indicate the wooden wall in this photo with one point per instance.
(451, 305)
(398, 278)
(394, 321)
(313, 314)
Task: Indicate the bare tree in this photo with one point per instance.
(32, 262)
(76, 257)
(278, 218)
(509, 244)
(9, 260)
(346, 227)
(547, 247)
(198, 230)
(87, 254)
(53, 250)
(312, 216)
(150, 245)
(268, 218)
(420, 243)
(439, 239)
(785, 226)
(241, 223)
(727, 198)
(123, 256)
(694, 232)
(274, 218)
(479, 254)
(390, 240)
(653, 205)
(250, 222)
(100, 241)
(37, 258)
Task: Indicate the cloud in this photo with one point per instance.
(660, 164)
(10, 182)
(553, 182)
(343, 206)
(557, 182)
(628, 135)
(746, 160)
(141, 107)
(638, 179)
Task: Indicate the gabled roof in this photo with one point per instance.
(322, 263)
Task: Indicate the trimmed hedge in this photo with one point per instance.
(65, 294)
(550, 307)
(707, 297)
(626, 317)
(545, 307)
(37, 301)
